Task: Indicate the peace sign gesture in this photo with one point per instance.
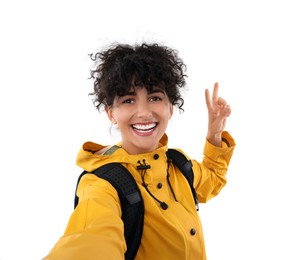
(218, 111)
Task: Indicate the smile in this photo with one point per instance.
(143, 128)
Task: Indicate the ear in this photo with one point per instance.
(171, 110)
(109, 112)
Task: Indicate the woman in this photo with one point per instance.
(138, 87)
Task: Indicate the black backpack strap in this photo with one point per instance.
(76, 199)
(185, 166)
(131, 203)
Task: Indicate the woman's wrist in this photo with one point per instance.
(215, 139)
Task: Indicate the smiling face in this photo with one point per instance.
(142, 118)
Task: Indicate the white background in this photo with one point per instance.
(46, 113)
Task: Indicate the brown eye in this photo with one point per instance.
(155, 99)
(128, 101)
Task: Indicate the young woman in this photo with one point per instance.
(138, 87)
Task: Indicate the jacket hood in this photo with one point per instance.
(91, 155)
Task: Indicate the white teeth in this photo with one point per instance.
(144, 127)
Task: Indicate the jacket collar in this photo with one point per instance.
(89, 159)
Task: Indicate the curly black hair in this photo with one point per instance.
(122, 67)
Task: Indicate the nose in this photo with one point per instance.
(144, 110)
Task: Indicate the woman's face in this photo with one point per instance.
(142, 118)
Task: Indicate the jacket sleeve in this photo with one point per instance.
(210, 174)
(95, 229)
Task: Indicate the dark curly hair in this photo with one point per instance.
(122, 67)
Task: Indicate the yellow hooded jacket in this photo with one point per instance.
(95, 229)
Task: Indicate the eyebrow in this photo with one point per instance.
(130, 93)
(155, 90)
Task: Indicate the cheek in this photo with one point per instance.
(166, 116)
(121, 116)
(169, 112)
(168, 108)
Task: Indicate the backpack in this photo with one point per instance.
(132, 205)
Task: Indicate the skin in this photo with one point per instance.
(143, 117)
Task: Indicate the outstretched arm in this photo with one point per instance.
(218, 111)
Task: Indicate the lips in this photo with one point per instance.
(144, 128)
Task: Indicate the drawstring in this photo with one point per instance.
(143, 167)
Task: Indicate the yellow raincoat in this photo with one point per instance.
(95, 229)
